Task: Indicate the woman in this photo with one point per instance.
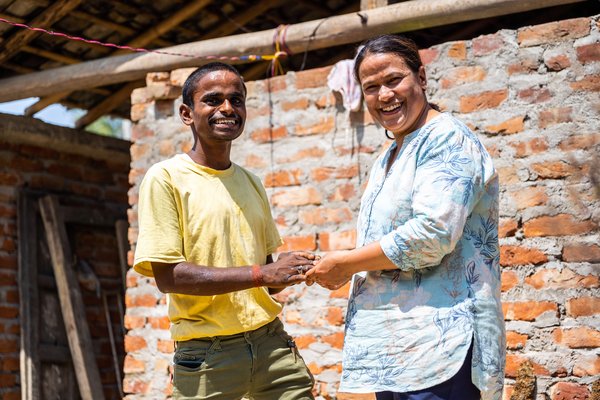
(424, 316)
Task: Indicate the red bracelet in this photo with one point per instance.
(257, 276)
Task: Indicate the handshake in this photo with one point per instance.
(299, 266)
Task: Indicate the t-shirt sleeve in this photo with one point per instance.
(160, 235)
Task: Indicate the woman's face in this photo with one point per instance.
(394, 94)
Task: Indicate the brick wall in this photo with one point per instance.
(83, 168)
(532, 97)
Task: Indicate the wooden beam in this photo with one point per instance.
(311, 35)
(71, 301)
(12, 18)
(108, 104)
(54, 13)
(51, 55)
(166, 25)
(241, 19)
(44, 102)
(371, 4)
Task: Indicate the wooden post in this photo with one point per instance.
(78, 333)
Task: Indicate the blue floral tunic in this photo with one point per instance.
(435, 214)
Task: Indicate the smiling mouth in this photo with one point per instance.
(391, 108)
(225, 121)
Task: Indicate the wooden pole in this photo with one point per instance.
(312, 35)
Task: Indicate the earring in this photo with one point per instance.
(388, 136)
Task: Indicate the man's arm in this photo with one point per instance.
(191, 279)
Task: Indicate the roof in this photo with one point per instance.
(164, 23)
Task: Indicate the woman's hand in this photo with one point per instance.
(330, 271)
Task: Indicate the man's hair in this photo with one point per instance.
(399, 45)
(190, 83)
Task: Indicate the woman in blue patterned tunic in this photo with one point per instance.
(424, 316)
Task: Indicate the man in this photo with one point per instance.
(205, 229)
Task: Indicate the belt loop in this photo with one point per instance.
(215, 345)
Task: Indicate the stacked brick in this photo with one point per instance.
(82, 179)
(530, 94)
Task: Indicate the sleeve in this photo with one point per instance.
(160, 237)
(448, 183)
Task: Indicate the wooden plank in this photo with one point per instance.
(80, 341)
(54, 13)
(89, 216)
(306, 36)
(29, 297)
(241, 19)
(45, 102)
(108, 104)
(121, 227)
(50, 55)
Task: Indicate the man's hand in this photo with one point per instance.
(329, 271)
(289, 269)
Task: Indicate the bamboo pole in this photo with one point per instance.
(311, 35)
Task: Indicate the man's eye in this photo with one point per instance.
(237, 101)
(212, 102)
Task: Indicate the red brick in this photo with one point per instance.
(276, 84)
(569, 391)
(321, 216)
(132, 366)
(139, 151)
(311, 152)
(8, 346)
(508, 175)
(577, 338)
(9, 312)
(165, 346)
(580, 142)
(335, 316)
(341, 240)
(588, 83)
(139, 131)
(553, 32)
(354, 396)
(134, 343)
(509, 280)
(554, 116)
(588, 53)
(254, 161)
(461, 75)
(297, 197)
(558, 62)
(258, 110)
(265, 135)
(323, 125)
(159, 322)
(157, 78)
(283, 178)
(508, 127)
(535, 94)
(325, 101)
(581, 253)
(524, 65)
(133, 322)
(140, 95)
(560, 279)
(530, 147)
(481, 101)
(8, 380)
(336, 340)
(507, 227)
(583, 306)
(587, 365)
(178, 77)
(514, 361)
(515, 340)
(295, 243)
(313, 78)
(305, 340)
(487, 44)
(428, 55)
(458, 50)
(140, 300)
(554, 169)
(516, 255)
(135, 385)
(527, 310)
(301, 103)
(558, 225)
(343, 192)
(341, 293)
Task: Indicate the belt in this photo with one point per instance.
(243, 336)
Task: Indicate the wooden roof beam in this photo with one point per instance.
(51, 55)
(241, 19)
(108, 104)
(53, 13)
(305, 36)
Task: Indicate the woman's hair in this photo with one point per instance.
(401, 46)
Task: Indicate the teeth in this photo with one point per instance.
(225, 121)
(392, 107)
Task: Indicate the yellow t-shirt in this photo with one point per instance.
(188, 212)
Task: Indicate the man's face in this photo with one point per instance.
(219, 108)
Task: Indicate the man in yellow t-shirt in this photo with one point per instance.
(206, 235)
